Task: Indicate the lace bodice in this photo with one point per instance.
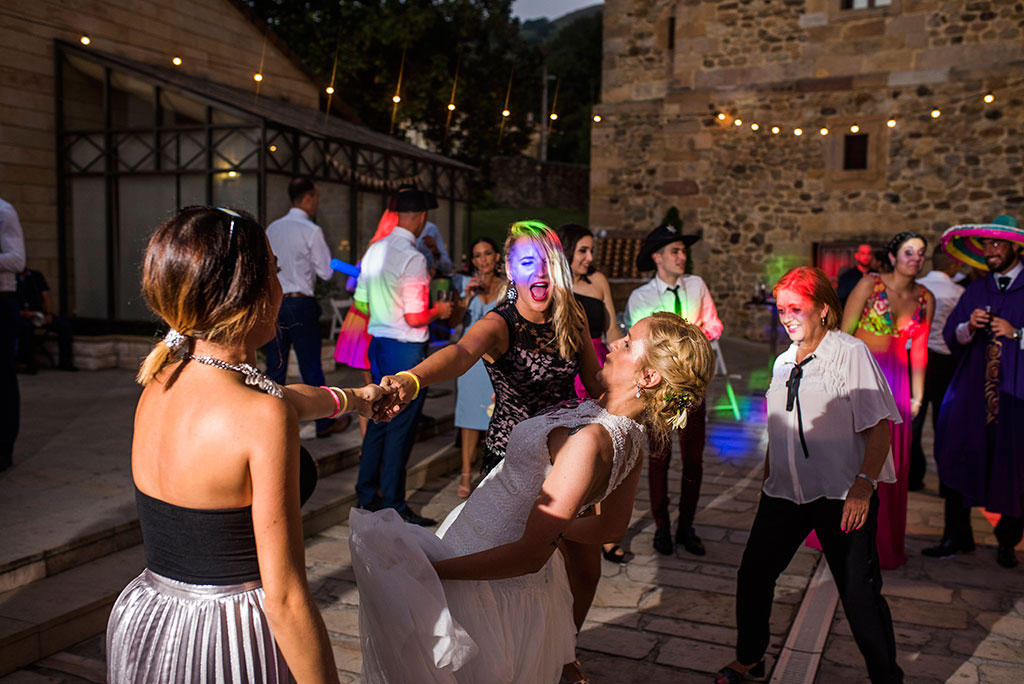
(496, 513)
(529, 376)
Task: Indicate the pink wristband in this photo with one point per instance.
(337, 402)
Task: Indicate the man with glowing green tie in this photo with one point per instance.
(671, 289)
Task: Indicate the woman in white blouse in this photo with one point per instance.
(828, 447)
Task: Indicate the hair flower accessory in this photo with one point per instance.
(173, 340)
(682, 403)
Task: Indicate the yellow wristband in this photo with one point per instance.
(344, 407)
(414, 379)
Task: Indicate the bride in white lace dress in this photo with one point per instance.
(570, 472)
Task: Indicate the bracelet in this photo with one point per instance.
(414, 379)
(337, 402)
(871, 481)
(344, 396)
(915, 402)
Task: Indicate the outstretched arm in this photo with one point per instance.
(312, 403)
(575, 478)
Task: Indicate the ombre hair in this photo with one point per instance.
(566, 312)
(813, 285)
(206, 273)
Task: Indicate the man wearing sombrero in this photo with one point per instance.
(979, 442)
(665, 251)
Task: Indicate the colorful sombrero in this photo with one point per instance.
(963, 242)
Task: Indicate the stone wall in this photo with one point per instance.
(761, 200)
(525, 182)
(214, 38)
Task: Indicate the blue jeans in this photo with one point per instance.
(387, 446)
(298, 324)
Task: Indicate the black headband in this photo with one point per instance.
(900, 238)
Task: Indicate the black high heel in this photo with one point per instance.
(727, 675)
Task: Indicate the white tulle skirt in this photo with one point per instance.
(416, 629)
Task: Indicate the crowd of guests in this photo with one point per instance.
(561, 401)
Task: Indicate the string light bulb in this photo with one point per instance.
(776, 130)
(989, 98)
(329, 90)
(936, 113)
(855, 128)
(737, 122)
(798, 131)
(721, 116)
(85, 39)
(754, 127)
(451, 106)
(272, 148)
(597, 118)
(891, 123)
(823, 131)
(553, 116)
(232, 174)
(257, 77)
(176, 61)
(396, 98)
(505, 113)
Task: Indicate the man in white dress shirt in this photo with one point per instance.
(395, 286)
(12, 262)
(673, 290)
(941, 364)
(302, 256)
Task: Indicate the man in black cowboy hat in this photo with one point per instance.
(395, 286)
(665, 251)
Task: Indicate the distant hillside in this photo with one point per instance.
(537, 31)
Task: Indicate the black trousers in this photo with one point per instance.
(937, 376)
(1009, 530)
(779, 528)
(10, 400)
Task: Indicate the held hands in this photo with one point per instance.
(369, 399)
(399, 390)
(858, 501)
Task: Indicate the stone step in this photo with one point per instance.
(331, 456)
(53, 613)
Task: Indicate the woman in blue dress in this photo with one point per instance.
(472, 407)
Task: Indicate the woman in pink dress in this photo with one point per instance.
(891, 312)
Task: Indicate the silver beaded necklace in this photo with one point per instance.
(252, 375)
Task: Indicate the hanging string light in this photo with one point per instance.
(258, 76)
(737, 122)
(891, 123)
(396, 98)
(85, 39)
(553, 116)
(936, 113)
(505, 113)
(855, 128)
(798, 131)
(989, 98)
(176, 61)
(330, 86)
(754, 127)
(597, 118)
(451, 98)
(823, 131)
(776, 130)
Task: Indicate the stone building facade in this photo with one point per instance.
(898, 88)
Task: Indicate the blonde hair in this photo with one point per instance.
(566, 312)
(206, 273)
(680, 352)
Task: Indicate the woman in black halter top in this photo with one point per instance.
(216, 467)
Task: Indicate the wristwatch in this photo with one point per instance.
(1018, 333)
(871, 481)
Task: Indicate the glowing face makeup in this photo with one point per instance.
(583, 256)
(910, 257)
(528, 271)
(799, 316)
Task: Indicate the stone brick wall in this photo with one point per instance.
(760, 200)
(215, 40)
(525, 182)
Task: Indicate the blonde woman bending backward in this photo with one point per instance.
(509, 617)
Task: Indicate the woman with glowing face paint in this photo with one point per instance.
(887, 311)
(570, 473)
(533, 345)
(828, 448)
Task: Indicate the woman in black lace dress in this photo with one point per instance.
(533, 346)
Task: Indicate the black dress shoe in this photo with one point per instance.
(1006, 556)
(947, 548)
(690, 541)
(663, 541)
(413, 519)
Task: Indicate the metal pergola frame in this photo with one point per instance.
(296, 151)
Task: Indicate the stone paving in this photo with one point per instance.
(663, 619)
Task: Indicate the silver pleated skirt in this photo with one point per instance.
(162, 630)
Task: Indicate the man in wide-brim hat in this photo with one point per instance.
(665, 251)
(979, 442)
(394, 286)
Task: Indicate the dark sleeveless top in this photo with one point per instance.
(530, 376)
(596, 314)
(206, 546)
